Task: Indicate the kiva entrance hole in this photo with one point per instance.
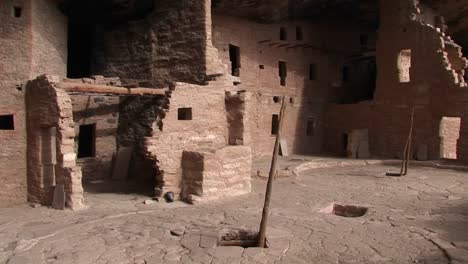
(239, 238)
(345, 210)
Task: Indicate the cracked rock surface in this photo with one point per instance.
(419, 218)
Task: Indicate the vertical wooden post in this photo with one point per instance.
(410, 141)
(266, 206)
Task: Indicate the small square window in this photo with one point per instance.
(184, 113)
(276, 99)
(17, 11)
(262, 67)
(7, 122)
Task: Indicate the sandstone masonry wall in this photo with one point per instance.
(51, 156)
(213, 175)
(434, 88)
(206, 129)
(15, 51)
(260, 52)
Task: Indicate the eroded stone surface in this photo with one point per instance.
(411, 221)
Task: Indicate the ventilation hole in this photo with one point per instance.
(17, 11)
(262, 67)
(239, 238)
(184, 114)
(345, 210)
(7, 122)
(276, 99)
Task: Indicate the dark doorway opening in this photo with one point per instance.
(283, 72)
(234, 57)
(274, 124)
(7, 122)
(80, 48)
(87, 141)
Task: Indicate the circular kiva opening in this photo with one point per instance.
(345, 210)
(239, 238)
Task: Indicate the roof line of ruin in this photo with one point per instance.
(106, 89)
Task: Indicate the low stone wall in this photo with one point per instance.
(211, 175)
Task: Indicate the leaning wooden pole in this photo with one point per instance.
(410, 141)
(266, 206)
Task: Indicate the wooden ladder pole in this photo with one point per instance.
(269, 188)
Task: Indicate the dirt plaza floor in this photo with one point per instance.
(419, 218)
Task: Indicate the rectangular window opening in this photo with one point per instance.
(17, 11)
(283, 33)
(283, 72)
(274, 124)
(310, 128)
(7, 122)
(299, 35)
(404, 66)
(312, 72)
(87, 141)
(234, 57)
(184, 113)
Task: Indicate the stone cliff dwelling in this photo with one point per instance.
(183, 96)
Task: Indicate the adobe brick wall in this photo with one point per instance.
(51, 108)
(29, 45)
(259, 44)
(213, 175)
(15, 51)
(207, 129)
(49, 32)
(435, 87)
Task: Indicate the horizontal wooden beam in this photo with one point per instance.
(104, 89)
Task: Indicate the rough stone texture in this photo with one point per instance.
(434, 87)
(49, 39)
(306, 99)
(207, 129)
(138, 117)
(126, 50)
(172, 44)
(51, 108)
(103, 111)
(449, 134)
(411, 219)
(215, 175)
(29, 45)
